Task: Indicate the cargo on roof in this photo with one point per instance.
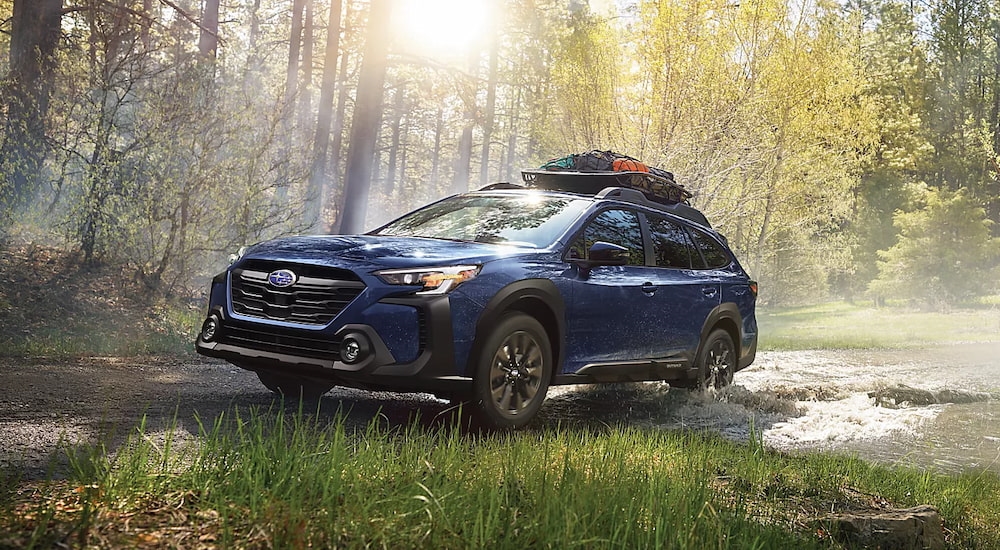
(590, 172)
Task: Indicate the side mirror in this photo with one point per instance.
(603, 253)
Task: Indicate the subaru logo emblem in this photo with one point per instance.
(281, 278)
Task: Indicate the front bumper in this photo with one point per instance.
(429, 366)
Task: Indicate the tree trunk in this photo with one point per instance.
(339, 115)
(489, 116)
(436, 152)
(993, 201)
(288, 110)
(397, 119)
(512, 137)
(208, 43)
(318, 179)
(147, 23)
(333, 166)
(294, 49)
(367, 119)
(460, 178)
(305, 86)
(35, 32)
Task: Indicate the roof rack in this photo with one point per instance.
(656, 188)
(500, 185)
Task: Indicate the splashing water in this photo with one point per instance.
(936, 408)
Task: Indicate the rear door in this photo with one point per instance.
(734, 285)
(684, 292)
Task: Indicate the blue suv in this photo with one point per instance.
(490, 297)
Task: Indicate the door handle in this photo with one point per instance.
(709, 291)
(649, 288)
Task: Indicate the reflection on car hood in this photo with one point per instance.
(377, 251)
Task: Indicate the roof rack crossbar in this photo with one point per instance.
(501, 185)
(622, 193)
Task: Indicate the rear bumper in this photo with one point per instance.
(749, 353)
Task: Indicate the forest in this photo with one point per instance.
(848, 150)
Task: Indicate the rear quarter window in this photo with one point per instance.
(715, 256)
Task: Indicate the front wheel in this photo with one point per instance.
(293, 387)
(717, 361)
(513, 371)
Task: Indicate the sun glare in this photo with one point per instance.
(442, 28)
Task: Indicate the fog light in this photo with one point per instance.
(354, 348)
(209, 329)
(350, 351)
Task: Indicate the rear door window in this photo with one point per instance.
(671, 244)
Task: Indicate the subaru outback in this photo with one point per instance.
(489, 298)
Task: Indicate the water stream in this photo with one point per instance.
(935, 408)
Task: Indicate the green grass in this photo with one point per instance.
(266, 479)
(840, 325)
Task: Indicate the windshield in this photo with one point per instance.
(524, 220)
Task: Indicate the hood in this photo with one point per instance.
(377, 252)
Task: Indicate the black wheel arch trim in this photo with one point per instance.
(726, 316)
(526, 296)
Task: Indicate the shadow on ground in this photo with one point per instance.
(49, 406)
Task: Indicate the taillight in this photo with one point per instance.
(753, 288)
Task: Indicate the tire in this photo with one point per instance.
(716, 362)
(294, 387)
(513, 370)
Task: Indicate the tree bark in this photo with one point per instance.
(367, 119)
(35, 32)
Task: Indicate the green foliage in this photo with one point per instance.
(587, 75)
(944, 255)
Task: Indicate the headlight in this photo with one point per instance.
(434, 280)
(233, 258)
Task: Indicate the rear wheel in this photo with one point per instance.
(512, 372)
(293, 387)
(717, 361)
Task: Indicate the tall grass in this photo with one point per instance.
(267, 479)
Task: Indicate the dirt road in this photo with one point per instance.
(820, 400)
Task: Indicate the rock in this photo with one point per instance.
(918, 528)
(902, 396)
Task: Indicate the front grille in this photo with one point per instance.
(279, 341)
(317, 296)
